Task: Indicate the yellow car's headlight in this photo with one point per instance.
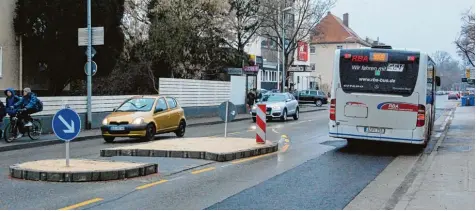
(104, 122)
(138, 121)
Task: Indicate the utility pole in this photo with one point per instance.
(89, 75)
(284, 56)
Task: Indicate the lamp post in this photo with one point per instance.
(283, 41)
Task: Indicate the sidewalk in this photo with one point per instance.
(446, 180)
(50, 139)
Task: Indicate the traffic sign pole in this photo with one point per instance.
(226, 118)
(66, 125)
(89, 76)
(67, 154)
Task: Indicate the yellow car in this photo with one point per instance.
(144, 117)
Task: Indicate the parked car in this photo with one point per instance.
(315, 97)
(144, 117)
(453, 96)
(278, 105)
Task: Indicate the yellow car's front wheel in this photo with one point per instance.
(180, 132)
(108, 139)
(150, 132)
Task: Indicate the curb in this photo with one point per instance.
(93, 176)
(34, 144)
(396, 199)
(220, 157)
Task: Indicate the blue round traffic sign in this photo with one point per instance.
(66, 124)
(231, 111)
(94, 68)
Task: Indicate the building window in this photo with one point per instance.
(313, 66)
(263, 75)
(312, 49)
(339, 47)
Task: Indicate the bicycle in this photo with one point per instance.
(11, 129)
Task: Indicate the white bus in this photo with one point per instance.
(382, 94)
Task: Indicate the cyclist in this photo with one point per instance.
(10, 102)
(28, 105)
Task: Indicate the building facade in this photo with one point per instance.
(333, 33)
(9, 53)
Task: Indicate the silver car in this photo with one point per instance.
(278, 105)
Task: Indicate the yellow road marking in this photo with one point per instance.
(84, 203)
(151, 184)
(203, 170)
(251, 158)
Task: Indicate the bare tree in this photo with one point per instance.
(242, 22)
(465, 42)
(447, 68)
(299, 22)
(135, 22)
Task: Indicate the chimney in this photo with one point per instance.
(346, 19)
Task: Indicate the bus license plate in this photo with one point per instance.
(117, 128)
(374, 130)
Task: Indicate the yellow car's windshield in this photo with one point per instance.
(139, 104)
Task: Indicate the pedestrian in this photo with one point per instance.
(3, 113)
(10, 102)
(250, 98)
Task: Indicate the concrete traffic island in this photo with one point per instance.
(80, 170)
(208, 148)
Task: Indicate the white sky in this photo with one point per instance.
(427, 25)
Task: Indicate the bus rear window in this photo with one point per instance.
(379, 72)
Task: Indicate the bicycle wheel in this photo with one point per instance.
(34, 132)
(9, 134)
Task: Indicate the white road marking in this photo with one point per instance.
(176, 178)
(226, 165)
(437, 135)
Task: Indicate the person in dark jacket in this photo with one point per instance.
(250, 99)
(28, 105)
(3, 113)
(10, 101)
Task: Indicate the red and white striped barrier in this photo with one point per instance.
(261, 123)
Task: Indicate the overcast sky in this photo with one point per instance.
(428, 25)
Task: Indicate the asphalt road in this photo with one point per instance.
(316, 172)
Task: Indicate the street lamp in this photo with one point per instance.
(283, 41)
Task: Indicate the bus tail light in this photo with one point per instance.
(421, 116)
(332, 110)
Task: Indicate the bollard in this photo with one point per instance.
(261, 123)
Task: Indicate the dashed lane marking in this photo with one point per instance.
(82, 204)
(203, 170)
(151, 184)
